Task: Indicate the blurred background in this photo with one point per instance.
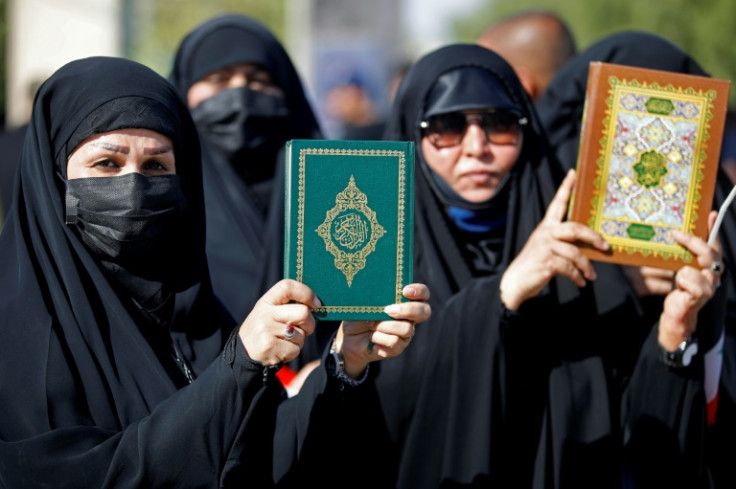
(334, 43)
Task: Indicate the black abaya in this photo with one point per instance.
(91, 394)
(486, 397)
(561, 108)
(244, 232)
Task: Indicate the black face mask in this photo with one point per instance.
(122, 219)
(240, 122)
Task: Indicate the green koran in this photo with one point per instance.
(350, 230)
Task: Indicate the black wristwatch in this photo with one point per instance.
(683, 356)
(336, 367)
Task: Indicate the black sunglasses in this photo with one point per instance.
(500, 127)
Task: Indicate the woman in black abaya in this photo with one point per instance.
(561, 109)
(119, 367)
(524, 390)
(247, 100)
(243, 126)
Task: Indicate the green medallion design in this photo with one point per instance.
(650, 169)
(659, 106)
(350, 230)
(641, 232)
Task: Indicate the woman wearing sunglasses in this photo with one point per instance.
(520, 378)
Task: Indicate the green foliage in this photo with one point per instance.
(704, 29)
(156, 27)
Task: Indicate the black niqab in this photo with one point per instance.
(77, 361)
(95, 397)
(244, 219)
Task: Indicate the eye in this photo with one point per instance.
(217, 77)
(448, 124)
(106, 164)
(157, 166)
(260, 84)
(262, 77)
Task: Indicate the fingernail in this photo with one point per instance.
(410, 292)
(392, 309)
(317, 302)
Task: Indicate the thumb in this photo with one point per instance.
(288, 290)
(558, 207)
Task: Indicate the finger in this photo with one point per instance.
(572, 254)
(656, 286)
(266, 343)
(293, 334)
(400, 329)
(296, 314)
(416, 312)
(566, 268)
(657, 273)
(287, 290)
(692, 281)
(416, 292)
(576, 232)
(694, 244)
(387, 345)
(558, 207)
(704, 254)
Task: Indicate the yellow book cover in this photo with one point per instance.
(649, 153)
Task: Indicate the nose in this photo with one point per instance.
(237, 80)
(474, 139)
(130, 168)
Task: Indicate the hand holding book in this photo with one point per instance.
(349, 223)
(362, 342)
(649, 154)
(552, 249)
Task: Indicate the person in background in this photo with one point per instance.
(536, 368)
(120, 368)
(349, 102)
(728, 149)
(535, 42)
(247, 100)
(561, 109)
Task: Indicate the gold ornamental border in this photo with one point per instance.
(401, 219)
(705, 100)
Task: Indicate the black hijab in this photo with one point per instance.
(526, 399)
(244, 219)
(454, 374)
(81, 359)
(561, 109)
(439, 258)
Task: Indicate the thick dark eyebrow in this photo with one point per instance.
(156, 151)
(112, 147)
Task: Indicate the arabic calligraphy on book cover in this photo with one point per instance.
(349, 223)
